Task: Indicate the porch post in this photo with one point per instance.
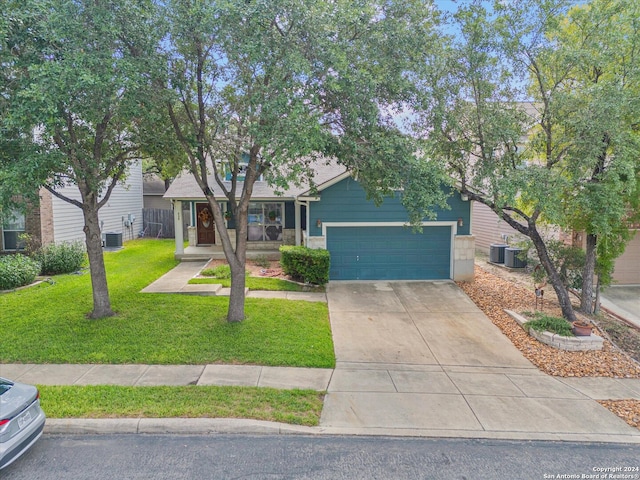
(177, 226)
(298, 220)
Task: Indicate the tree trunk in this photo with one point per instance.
(586, 301)
(93, 240)
(237, 295)
(596, 306)
(238, 275)
(554, 276)
(236, 259)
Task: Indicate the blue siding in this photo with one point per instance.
(383, 252)
(346, 201)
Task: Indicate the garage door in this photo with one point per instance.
(389, 253)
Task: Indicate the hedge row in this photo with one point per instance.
(61, 258)
(306, 264)
(17, 270)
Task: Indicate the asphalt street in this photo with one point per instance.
(172, 457)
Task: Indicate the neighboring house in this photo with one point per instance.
(54, 221)
(489, 229)
(157, 215)
(366, 242)
(153, 189)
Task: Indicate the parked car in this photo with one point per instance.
(21, 419)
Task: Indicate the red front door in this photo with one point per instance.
(205, 226)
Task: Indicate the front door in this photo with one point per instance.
(205, 225)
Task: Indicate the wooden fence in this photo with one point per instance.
(157, 223)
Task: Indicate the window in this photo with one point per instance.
(13, 226)
(265, 221)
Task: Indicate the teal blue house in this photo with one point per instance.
(369, 242)
(366, 242)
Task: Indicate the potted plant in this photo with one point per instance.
(272, 215)
(582, 328)
(227, 215)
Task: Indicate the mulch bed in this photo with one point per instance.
(493, 294)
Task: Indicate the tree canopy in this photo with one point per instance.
(283, 83)
(533, 110)
(77, 78)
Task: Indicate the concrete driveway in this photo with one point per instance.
(418, 323)
(624, 301)
(419, 358)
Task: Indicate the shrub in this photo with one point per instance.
(307, 264)
(62, 258)
(17, 270)
(543, 322)
(262, 261)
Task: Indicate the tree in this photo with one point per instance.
(476, 125)
(283, 83)
(76, 103)
(597, 114)
(512, 110)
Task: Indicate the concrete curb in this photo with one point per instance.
(212, 426)
(175, 426)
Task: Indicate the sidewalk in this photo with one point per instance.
(170, 375)
(498, 403)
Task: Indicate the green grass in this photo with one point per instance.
(260, 283)
(48, 324)
(299, 407)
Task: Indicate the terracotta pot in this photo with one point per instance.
(581, 330)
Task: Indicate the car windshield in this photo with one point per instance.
(5, 385)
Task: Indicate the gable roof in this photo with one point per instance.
(185, 187)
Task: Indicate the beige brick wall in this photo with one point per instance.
(464, 250)
(46, 217)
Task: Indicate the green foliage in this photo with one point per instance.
(283, 85)
(60, 258)
(83, 76)
(221, 271)
(17, 270)
(533, 111)
(568, 259)
(543, 322)
(308, 264)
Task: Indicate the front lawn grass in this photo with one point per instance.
(298, 407)
(262, 283)
(48, 324)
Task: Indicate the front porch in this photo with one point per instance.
(203, 240)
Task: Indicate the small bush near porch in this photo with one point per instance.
(306, 264)
(47, 324)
